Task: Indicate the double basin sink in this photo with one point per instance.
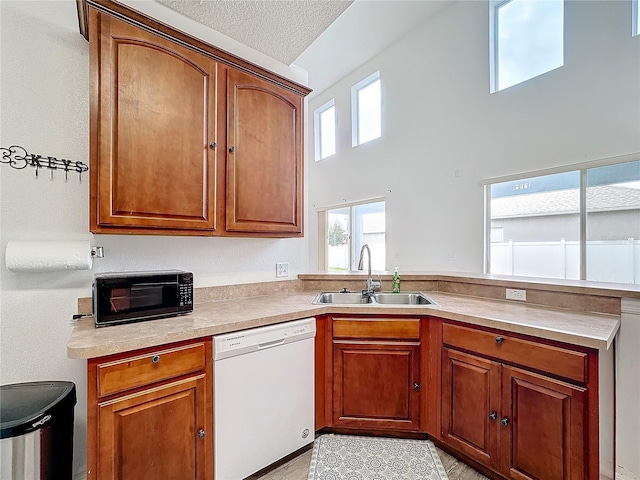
(378, 298)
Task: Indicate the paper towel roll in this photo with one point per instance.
(48, 256)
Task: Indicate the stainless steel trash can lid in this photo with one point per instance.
(26, 407)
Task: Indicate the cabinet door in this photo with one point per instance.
(543, 427)
(264, 158)
(376, 385)
(154, 434)
(471, 406)
(153, 118)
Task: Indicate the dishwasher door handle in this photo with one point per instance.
(273, 343)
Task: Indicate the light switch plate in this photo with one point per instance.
(282, 269)
(515, 294)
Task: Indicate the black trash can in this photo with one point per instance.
(36, 439)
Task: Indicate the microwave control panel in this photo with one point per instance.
(185, 294)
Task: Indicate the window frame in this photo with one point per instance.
(318, 129)
(355, 120)
(582, 168)
(323, 232)
(494, 64)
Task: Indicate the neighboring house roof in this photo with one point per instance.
(603, 198)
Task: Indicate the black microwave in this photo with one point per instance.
(139, 296)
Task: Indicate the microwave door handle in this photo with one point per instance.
(152, 284)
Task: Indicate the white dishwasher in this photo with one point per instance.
(263, 396)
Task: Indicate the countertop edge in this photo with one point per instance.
(152, 338)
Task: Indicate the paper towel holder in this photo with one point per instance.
(38, 256)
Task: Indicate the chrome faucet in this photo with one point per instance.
(371, 284)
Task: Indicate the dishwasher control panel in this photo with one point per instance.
(245, 341)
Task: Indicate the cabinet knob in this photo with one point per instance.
(232, 149)
(504, 421)
(201, 433)
(416, 386)
(493, 416)
(155, 359)
(499, 340)
(213, 144)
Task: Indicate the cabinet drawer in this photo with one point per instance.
(555, 360)
(155, 366)
(385, 328)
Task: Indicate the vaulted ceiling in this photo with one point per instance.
(327, 38)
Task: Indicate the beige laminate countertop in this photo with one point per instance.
(211, 318)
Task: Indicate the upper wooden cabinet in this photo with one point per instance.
(152, 122)
(264, 165)
(187, 139)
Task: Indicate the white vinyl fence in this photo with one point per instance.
(339, 256)
(607, 261)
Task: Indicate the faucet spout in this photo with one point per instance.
(371, 284)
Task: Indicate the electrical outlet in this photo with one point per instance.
(451, 257)
(515, 294)
(282, 269)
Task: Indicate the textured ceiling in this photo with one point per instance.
(282, 29)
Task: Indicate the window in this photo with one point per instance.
(366, 110)
(347, 229)
(636, 18)
(527, 40)
(325, 129)
(581, 224)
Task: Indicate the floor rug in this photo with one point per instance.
(348, 457)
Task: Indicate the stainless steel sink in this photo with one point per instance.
(341, 298)
(379, 299)
(403, 298)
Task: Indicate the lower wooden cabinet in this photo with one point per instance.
(150, 414)
(376, 385)
(522, 424)
(519, 407)
(542, 427)
(156, 433)
(470, 406)
(374, 373)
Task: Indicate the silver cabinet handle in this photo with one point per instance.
(155, 359)
(201, 433)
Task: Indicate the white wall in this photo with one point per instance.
(44, 108)
(628, 398)
(443, 132)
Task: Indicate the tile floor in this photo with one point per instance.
(298, 469)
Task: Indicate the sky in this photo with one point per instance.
(530, 39)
